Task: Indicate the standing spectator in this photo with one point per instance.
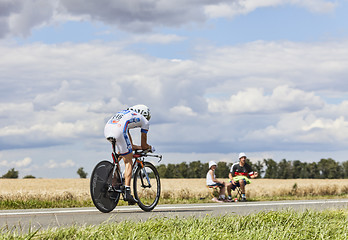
(240, 173)
(212, 181)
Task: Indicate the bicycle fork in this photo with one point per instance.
(140, 164)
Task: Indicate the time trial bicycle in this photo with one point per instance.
(107, 182)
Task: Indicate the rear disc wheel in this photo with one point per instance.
(103, 195)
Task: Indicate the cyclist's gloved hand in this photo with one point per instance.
(152, 149)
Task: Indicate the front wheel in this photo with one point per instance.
(147, 186)
(103, 196)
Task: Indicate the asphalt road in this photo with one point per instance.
(48, 218)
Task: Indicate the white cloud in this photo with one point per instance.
(157, 38)
(68, 163)
(32, 13)
(68, 91)
(16, 164)
(268, 64)
(181, 111)
(241, 7)
(18, 18)
(51, 164)
(304, 127)
(320, 6)
(253, 100)
(54, 164)
(139, 16)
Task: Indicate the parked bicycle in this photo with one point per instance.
(107, 182)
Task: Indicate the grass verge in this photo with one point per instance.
(67, 193)
(33, 202)
(287, 224)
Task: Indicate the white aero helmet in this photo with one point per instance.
(212, 163)
(142, 109)
(242, 155)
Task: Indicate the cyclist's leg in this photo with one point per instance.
(127, 177)
(128, 162)
(125, 147)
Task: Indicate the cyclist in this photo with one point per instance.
(118, 127)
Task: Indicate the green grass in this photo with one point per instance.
(39, 203)
(33, 203)
(287, 224)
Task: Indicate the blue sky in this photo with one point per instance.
(264, 77)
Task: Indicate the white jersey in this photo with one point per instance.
(128, 119)
(119, 124)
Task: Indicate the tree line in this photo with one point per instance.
(268, 168)
(12, 173)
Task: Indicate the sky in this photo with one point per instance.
(264, 77)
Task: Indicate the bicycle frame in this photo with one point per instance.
(139, 159)
(107, 184)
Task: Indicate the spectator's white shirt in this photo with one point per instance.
(209, 179)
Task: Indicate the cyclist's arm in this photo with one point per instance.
(134, 147)
(144, 145)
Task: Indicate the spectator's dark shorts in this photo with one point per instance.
(237, 184)
(216, 185)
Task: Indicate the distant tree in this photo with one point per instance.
(28, 176)
(196, 170)
(183, 169)
(81, 173)
(271, 168)
(329, 168)
(304, 170)
(222, 170)
(205, 169)
(12, 173)
(345, 169)
(162, 170)
(300, 169)
(297, 168)
(313, 170)
(285, 170)
(171, 171)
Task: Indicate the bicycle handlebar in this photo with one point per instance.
(147, 153)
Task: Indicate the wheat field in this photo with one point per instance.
(260, 188)
(78, 189)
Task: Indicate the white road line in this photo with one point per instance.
(251, 204)
(171, 207)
